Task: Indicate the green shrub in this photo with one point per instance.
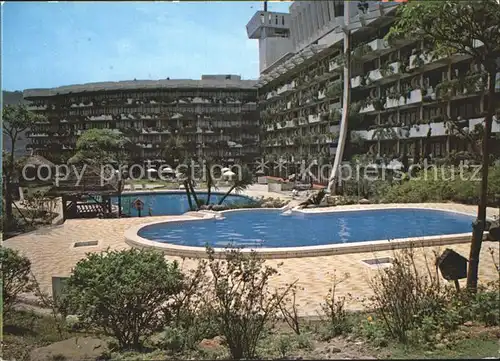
(407, 299)
(442, 186)
(16, 270)
(243, 303)
(334, 311)
(373, 330)
(482, 306)
(304, 341)
(124, 293)
(172, 339)
(284, 345)
(190, 315)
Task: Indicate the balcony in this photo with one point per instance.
(375, 75)
(286, 88)
(417, 61)
(367, 108)
(289, 124)
(321, 94)
(356, 81)
(100, 117)
(271, 95)
(335, 66)
(392, 70)
(415, 96)
(378, 45)
(313, 118)
(36, 107)
(270, 127)
(37, 135)
(198, 100)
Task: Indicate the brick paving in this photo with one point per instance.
(52, 253)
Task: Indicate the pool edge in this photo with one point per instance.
(133, 239)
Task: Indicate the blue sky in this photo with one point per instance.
(60, 43)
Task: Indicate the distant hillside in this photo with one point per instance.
(12, 98)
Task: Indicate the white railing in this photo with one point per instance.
(37, 107)
(378, 45)
(314, 118)
(287, 87)
(367, 108)
(356, 81)
(334, 66)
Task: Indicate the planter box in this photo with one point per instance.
(262, 180)
(279, 187)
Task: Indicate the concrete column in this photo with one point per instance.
(332, 9)
(300, 27)
(324, 11)
(315, 18)
(310, 19)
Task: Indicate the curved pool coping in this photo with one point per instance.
(132, 237)
(176, 191)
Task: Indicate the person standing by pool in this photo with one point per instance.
(150, 211)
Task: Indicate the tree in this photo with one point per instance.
(186, 175)
(100, 146)
(125, 293)
(346, 100)
(466, 27)
(16, 271)
(173, 150)
(240, 183)
(16, 120)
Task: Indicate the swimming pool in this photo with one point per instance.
(266, 228)
(171, 203)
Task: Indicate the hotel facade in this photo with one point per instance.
(401, 96)
(216, 116)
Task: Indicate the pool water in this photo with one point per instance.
(269, 228)
(171, 203)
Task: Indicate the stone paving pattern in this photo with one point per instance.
(52, 253)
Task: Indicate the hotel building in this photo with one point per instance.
(216, 116)
(401, 97)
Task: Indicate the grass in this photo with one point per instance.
(24, 331)
(466, 349)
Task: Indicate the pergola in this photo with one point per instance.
(91, 195)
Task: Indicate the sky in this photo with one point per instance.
(49, 44)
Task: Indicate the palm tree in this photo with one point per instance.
(241, 182)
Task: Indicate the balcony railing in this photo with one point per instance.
(356, 81)
(415, 96)
(286, 88)
(313, 118)
(36, 107)
(367, 108)
(378, 45)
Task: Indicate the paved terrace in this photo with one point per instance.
(52, 254)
